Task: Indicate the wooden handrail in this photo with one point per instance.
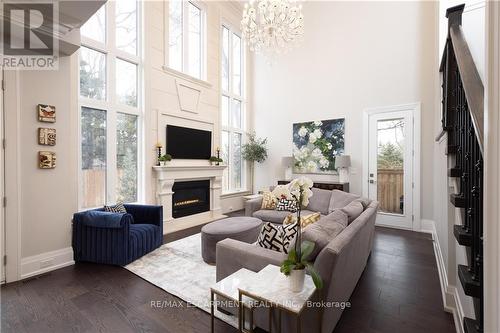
(473, 86)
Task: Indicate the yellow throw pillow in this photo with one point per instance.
(268, 201)
(304, 220)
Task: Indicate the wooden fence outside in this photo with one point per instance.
(390, 190)
(94, 192)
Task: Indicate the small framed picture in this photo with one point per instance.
(46, 159)
(47, 136)
(46, 113)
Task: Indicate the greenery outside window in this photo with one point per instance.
(110, 105)
(232, 110)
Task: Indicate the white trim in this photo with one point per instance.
(491, 229)
(13, 212)
(449, 293)
(186, 77)
(46, 262)
(416, 113)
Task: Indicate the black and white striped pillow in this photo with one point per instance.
(118, 208)
(277, 237)
(287, 205)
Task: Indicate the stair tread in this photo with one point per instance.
(462, 236)
(470, 325)
(471, 288)
(455, 172)
(457, 200)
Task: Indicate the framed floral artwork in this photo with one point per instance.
(47, 136)
(315, 145)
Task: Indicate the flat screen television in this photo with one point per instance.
(188, 143)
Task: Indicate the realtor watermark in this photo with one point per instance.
(166, 304)
(28, 35)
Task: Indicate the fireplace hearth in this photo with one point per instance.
(190, 197)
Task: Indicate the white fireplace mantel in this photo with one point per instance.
(166, 176)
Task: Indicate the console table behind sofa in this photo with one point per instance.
(324, 185)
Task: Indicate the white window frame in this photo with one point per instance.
(111, 105)
(232, 96)
(185, 41)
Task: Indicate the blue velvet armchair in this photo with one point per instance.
(117, 238)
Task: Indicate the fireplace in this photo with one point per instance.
(190, 197)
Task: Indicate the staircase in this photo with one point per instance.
(463, 120)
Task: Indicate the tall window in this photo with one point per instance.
(110, 105)
(233, 110)
(186, 37)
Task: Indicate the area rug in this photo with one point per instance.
(179, 269)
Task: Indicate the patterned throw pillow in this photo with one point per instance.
(304, 220)
(277, 237)
(268, 200)
(118, 208)
(287, 205)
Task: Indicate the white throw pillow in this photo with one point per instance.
(277, 237)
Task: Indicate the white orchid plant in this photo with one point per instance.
(300, 191)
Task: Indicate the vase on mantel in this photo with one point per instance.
(296, 280)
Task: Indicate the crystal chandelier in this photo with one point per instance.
(272, 27)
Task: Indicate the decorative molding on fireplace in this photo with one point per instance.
(166, 177)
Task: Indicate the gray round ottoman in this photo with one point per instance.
(242, 228)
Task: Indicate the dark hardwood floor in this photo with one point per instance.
(398, 292)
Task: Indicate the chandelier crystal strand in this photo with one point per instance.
(272, 27)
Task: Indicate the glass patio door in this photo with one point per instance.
(390, 159)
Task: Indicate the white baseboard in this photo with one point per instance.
(449, 293)
(46, 262)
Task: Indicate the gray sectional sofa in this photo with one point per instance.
(322, 201)
(340, 260)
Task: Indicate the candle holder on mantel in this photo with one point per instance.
(158, 148)
(218, 156)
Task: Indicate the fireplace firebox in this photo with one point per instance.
(190, 197)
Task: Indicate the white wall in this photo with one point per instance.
(47, 198)
(355, 55)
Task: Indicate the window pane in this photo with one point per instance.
(225, 159)
(126, 26)
(390, 165)
(95, 27)
(175, 35)
(236, 64)
(236, 113)
(92, 74)
(236, 165)
(225, 111)
(225, 59)
(126, 157)
(126, 82)
(93, 126)
(194, 38)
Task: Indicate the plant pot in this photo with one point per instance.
(163, 163)
(296, 280)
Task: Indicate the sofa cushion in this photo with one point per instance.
(268, 200)
(276, 216)
(287, 205)
(143, 239)
(277, 237)
(320, 200)
(117, 208)
(340, 199)
(353, 210)
(305, 220)
(324, 231)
